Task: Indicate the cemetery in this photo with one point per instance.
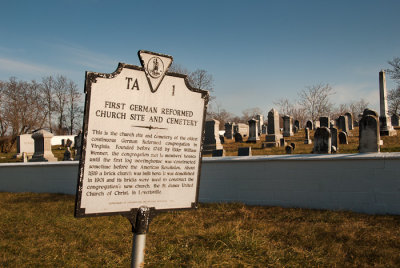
(168, 155)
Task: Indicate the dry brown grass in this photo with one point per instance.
(39, 230)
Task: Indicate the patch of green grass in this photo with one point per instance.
(39, 230)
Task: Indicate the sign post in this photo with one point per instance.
(141, 148)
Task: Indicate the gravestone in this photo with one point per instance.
(222, 139)
(307, 139)
(343, 123)
(282, 142)
(295, 129)
(322, 141)
(309, 125)
(369, 134)
(289, 149)
(349, 120)
(324, 121)
(253, 131)
(287, 126)
(25, 144)
(260, 121)
(395, 120)
(264, 129)
(297, 123)
(218, 153)
(386, 128)
(334, 137)
(274, 135)
(43, 151)
(211, 137)
(317, 124)
(369, 112)
(293, 145)
(238, 137)
(241, 128)
(228, 130)
(343, 138)
(67, 154)
(244, 151)
(332, 124)
(78, 146)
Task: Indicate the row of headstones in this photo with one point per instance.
(326, 139)
(42, 147)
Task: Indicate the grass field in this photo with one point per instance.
(39, 230)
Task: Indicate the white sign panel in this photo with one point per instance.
(142, 141)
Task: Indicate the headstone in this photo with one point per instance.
(67, 154)
(24, 157)
(343, 138)
(324, 121)
(322, 141)
(289, 149)
(369, 112)
(295, 129)
(386, 128)
(293, 145)
(218, 153)
(297, 123)
(317, 124)
(287, 126)
(222, 139)
(62, 142)
(395, 120)
(343, 123)
(244, 151)
(78, 146)
(282, 142)
(274, 135)
(349, 120)
(241, 128)
(260, 119)
(238, 137)
(309, 125)
(25, 144)
(211, 137)
(43, 151)
(334, 137)
(369, 134)
(253, 131)
(332, 123)
(228, 130)
(334, 150)
(307, 139)
(264, 129)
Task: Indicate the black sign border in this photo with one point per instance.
(90, 78)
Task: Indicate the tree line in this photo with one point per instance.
(53, 103)
(315, 101)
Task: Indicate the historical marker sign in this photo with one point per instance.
(143, 131)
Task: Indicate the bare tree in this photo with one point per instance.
(48, 93)
(395, 71)
(315, 100)
(74, 109)
(218, 113)
(284, 106)
(394, 100)
(250, 113)
(60, 98)
(21, 109)
(394, 94)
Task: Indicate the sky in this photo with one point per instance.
(257, 51)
